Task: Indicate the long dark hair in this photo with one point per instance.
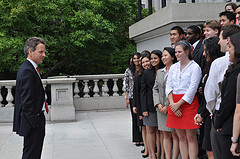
(235, 40)
(171, 51)
(132, 66)
(159, 54)
(140, 71)
(212, 51)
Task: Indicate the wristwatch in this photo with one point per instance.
(234, 140)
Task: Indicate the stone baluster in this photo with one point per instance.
(86, 89)
(96, 89)
(105, 88)
(123, 88)
(9, 97)
(115, 88)
(76, 90)
(1, 98)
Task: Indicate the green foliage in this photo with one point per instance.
(83, 36)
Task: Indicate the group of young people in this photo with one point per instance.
(183, 98)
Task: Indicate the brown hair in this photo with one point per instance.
(213, 24)
(186, 47)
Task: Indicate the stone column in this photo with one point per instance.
(62, 108)
(157, 5)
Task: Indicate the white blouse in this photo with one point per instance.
(185, 82)
(212, 90)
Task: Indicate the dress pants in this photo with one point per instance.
(32, 146)
(226, 144)
(136, 131)
(215, 141)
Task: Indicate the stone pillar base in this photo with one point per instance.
(6, 114)
(62, 113)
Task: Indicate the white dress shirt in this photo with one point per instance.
(212, 90)
(184, 82)
(35, 66)
(195, 44)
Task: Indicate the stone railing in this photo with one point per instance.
(94, 92)
(86, 92)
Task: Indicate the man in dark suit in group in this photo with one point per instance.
(193, 36)
(30, 103)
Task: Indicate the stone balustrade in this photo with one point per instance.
(68, 94)
(95, 92)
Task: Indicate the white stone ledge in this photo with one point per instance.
(176, 13)
(60, 81)
(8, 83)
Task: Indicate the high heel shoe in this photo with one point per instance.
(143, 151)
(145, 156)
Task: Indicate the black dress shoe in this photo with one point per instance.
(138, 144)
(145, 156)
(143, 151)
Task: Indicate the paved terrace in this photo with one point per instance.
(94, 135)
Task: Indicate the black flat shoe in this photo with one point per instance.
(143, 151)
(138, 144)
(145, 156)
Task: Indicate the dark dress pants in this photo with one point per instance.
(226, 144)
(32, 146)
(215, 141)
(136, 132)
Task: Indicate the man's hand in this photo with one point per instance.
(234, 149)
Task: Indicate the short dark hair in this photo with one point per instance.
(230, 15)
(32, 43)
(195, 29)
(229, 30)
(233, 5)
(179, 29)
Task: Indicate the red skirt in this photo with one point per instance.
(186, 121)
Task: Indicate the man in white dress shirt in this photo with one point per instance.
(212, 89)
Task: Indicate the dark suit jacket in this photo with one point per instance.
(147, 83)
(136, 94)
(198, 55)
(29, 99)
(224, 116)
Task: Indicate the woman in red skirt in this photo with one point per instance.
(182, 84)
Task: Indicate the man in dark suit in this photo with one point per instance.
(193, 36)
(30, 103)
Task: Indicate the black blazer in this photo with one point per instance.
(224, 116)
(202, 110)
(147, 83)
(136, 94)
(198, 55)
(29, 99)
